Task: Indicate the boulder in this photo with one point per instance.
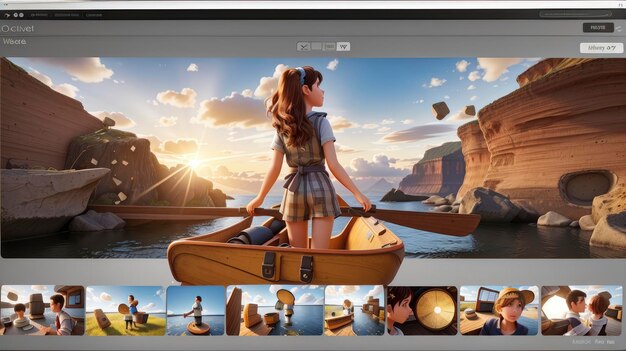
(93, 221)
(443, 208)
(397, 195)
(525, 215)
(39, 202)
(492, 206)
(553, 219)
(451, 198)
(574, 224)
(609, 203)
(440, 110)
(455, 209)
(610, 232)
(108, 122)
(431, 200)
(586, 223)
(440, 202)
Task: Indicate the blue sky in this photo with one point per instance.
(265, 295)
(211, 109)
(151, 298)
(181, 298)
(23, 292)
(470, 292)
(357, 294)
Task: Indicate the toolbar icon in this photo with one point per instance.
(304, 46)
(343, 46)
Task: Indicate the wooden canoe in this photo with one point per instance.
(364, 252)
(338, 321)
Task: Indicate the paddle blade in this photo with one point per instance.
(436, 222)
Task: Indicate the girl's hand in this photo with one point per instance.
(363, 200)
(256, 202)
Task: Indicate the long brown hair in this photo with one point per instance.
(287, 108)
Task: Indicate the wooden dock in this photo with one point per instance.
(473, 326)
(346, 330)
(259, 329)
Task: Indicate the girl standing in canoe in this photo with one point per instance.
(304, 137)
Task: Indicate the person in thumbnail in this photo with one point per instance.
(63, 321)
(196, 310)
(133, 309)
(508, 307)
(305, 139)
(20, 310)
(576, 304)
(598, 304)
(398, 308)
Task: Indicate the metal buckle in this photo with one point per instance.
(306, 269)
(268, 265)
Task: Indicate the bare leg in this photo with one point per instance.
(322, 229)
(298, 233)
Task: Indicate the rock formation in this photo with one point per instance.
(610, 231)
(92, 221)
(440, 172)
(37, 202)
(38, 123)
(560, 139)
(476, 156)
(396, 195)
(491, 206)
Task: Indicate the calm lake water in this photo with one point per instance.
(49, 316)
(177, 325)
(489, 241)
(306, 320)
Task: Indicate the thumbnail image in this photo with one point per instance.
(352, 310)
(499, 310)
(163, 158)
(42, 310)
(125, 310)
(582, 310)
(258, 310)
(195, 310)
(421, 310)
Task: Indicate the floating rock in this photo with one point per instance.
(93, 221)
(574, 224)
(491, 205)
(470, 110)
(586, 223)
(397, 195)
(440, 201)
(443, 208)
(451, 198)
(553, 219)
(455, 209)
(609, 203)
(610, 232)
(431, 200)
(440, 110)
(12, 296)
(108, 122)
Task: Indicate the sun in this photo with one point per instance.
(194, 164)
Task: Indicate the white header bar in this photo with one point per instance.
(301, 5)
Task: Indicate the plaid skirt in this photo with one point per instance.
(314, 197)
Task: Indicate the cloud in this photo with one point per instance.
(417, 133)
(261, 158)
(473, 76)
(65, 88)
(340, 123)
(231, 111)
(319, 301)
(258, 299)
(348, 289)
(330, 290)
(370, 126)
(85, 69)
(185, 99)
(306, 299)
(380, 166)
(192, 68)
(245, 297)
(39, 288)
(155, 142)
(375, 291)
(294, 290)
(313, 287)
(447, 97)
(121, 120)
(407, 121)
(436, 82)
(387, 121)
(495, 67)
(267, 85)
(344, 149)
(383, 129)
(274, 288)
(168, 121)
(460, 116)
(473, 98)
(332, 65)
(105, 297)
(148, 307)
(471, 87)
(461, 66)
(181, 146)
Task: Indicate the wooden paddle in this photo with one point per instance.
(436, 222)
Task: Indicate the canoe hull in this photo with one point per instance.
(197, 262)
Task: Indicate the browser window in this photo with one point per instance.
(216, 175)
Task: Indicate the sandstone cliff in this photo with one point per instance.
(38, 123)
(476, 156)
(439, 172)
